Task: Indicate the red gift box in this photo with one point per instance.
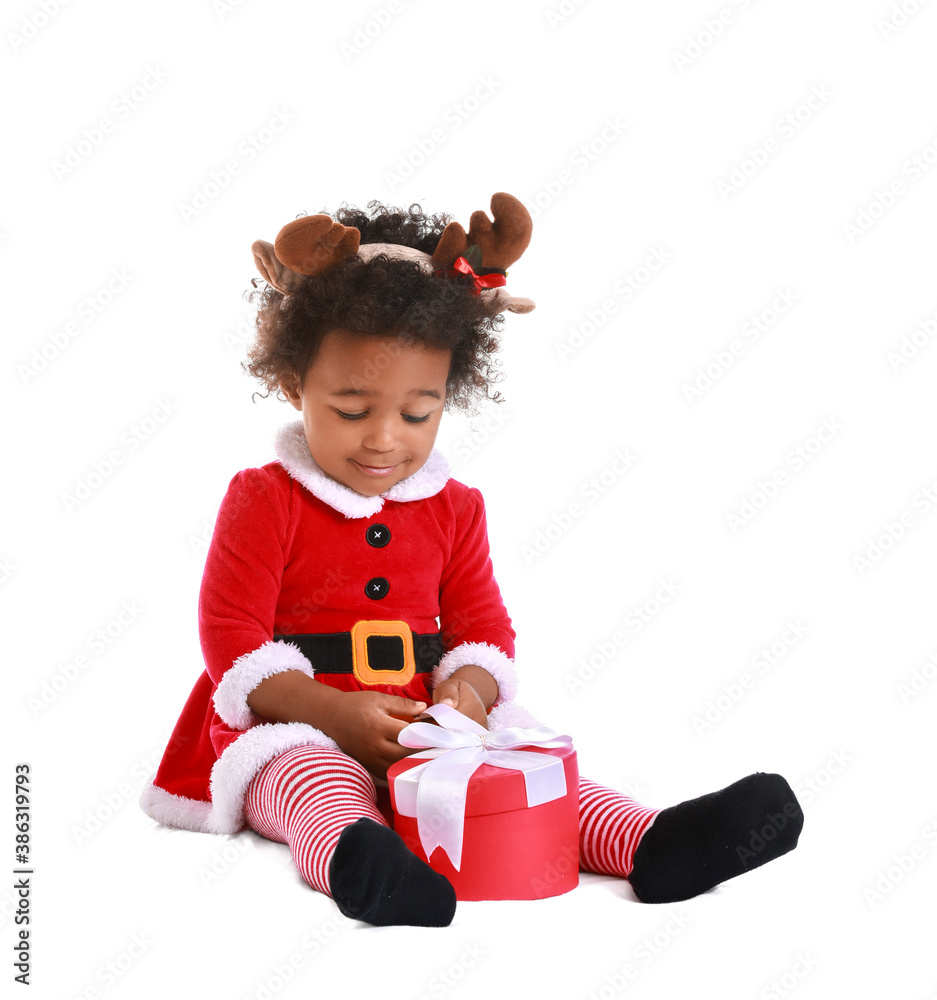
(509, 848)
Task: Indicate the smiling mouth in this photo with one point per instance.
(375, 470)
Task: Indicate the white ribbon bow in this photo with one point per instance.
(435, 792)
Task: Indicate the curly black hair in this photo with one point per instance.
(380, 297)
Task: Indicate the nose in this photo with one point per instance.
(379, 435)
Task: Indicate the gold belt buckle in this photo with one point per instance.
(366, 674)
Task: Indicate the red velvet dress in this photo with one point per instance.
(294, 552)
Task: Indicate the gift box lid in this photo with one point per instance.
(493, 789)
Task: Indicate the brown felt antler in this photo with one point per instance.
(313, 243)
(501, 242)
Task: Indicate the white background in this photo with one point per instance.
(628, 128)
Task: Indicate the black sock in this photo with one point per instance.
(374, 877)
(697, 844)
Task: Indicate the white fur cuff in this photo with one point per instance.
(247, 672)
(484, 655)
(235, 768)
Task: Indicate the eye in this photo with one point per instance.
(351, 416)
(416, 420)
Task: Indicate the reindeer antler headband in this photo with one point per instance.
(314, 243)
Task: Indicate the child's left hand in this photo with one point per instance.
(462, 697)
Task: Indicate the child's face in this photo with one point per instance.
(371, 408)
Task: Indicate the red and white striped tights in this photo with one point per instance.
(305, 797)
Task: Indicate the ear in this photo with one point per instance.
(272, 271)
(500, 300)
(290, 388)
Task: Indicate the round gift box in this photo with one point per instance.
(509, 850)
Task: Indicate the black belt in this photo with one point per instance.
(376, 652)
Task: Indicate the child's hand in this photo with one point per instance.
(365, 725)
(463, 697)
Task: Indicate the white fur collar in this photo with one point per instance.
(293, 454)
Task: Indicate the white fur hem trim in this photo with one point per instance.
(175, 810)
(489, 657)
(293, 454)
(233, 772)
(247, 672)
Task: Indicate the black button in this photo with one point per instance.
(378, 535)
(376, 588)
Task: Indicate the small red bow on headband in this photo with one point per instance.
(479, 281)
